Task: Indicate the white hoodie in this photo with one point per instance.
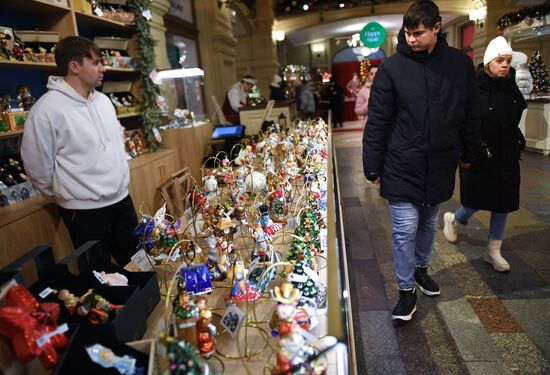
(73, 149)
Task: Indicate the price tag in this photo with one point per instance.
(254, 264)
(46, 292)
(232, 320)
(45, 338)
(297, 278)
(98, 12)
(142, 260)
(323, 234)
(176, 254)
(99, 277)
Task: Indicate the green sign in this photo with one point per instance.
(373, 35)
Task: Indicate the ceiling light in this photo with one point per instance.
(181, 73)
(341, 5)
(279, 35)
(306, 7)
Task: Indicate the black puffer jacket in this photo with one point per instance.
(423, 116)
(492, 182)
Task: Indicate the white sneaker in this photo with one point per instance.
(494, 257)
(450, 227)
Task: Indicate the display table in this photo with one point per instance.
(535, 125)
(252, 117)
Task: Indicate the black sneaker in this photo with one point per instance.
(425, 283)
(406, 306)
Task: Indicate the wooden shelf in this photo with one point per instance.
(21, 209)
(126, 115)
(37, 6)
(27, 65)
(90, 20)
(122, 70)
(11, 133)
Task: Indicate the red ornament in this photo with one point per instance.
(25, 321)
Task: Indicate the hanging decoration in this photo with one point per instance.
(150, 91)
(539, 73)
(527, 13)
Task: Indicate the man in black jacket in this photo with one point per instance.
(423, 120)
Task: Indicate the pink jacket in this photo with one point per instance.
(362, 102)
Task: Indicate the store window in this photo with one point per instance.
(184, 89)
(182, 9)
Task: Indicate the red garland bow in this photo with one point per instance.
(24, 321)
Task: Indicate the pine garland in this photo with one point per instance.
(150, 112)
(513, 18)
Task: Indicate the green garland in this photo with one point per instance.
(512, 18)
(150, 113)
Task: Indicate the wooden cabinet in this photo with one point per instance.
(35, 221)
(252, 117)
(148, 173)
(191, 144)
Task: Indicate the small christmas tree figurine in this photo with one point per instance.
(537, 68)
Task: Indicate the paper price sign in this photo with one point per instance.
(232, 320)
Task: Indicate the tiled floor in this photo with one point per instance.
(484, 322)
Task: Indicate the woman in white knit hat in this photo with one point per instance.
(492, 182)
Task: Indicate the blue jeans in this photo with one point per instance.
(413, 232)
(496, 228)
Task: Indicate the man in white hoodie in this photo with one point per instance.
(74, 154)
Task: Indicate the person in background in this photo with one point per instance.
(276, 91)
(336, 99)
(362, 100)
(297, 88)
(74, 153)
(307, 101)
(492, 182)
(353, 84)
(237, 97)
(423, 119)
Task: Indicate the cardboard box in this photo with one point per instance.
(61, 3)
(32, 36)
(108, 45)
(15, 120)
(117, 90)
(82, 6)
(76, 359)
(147, 347)
(127, 325)
(6, 42)
(90, 257)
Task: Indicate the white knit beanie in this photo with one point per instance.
(500, 47)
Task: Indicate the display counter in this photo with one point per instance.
(252, 116)
(535, 125)
(256, 346)
(191, 143)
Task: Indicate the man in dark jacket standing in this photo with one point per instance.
(423, 120)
